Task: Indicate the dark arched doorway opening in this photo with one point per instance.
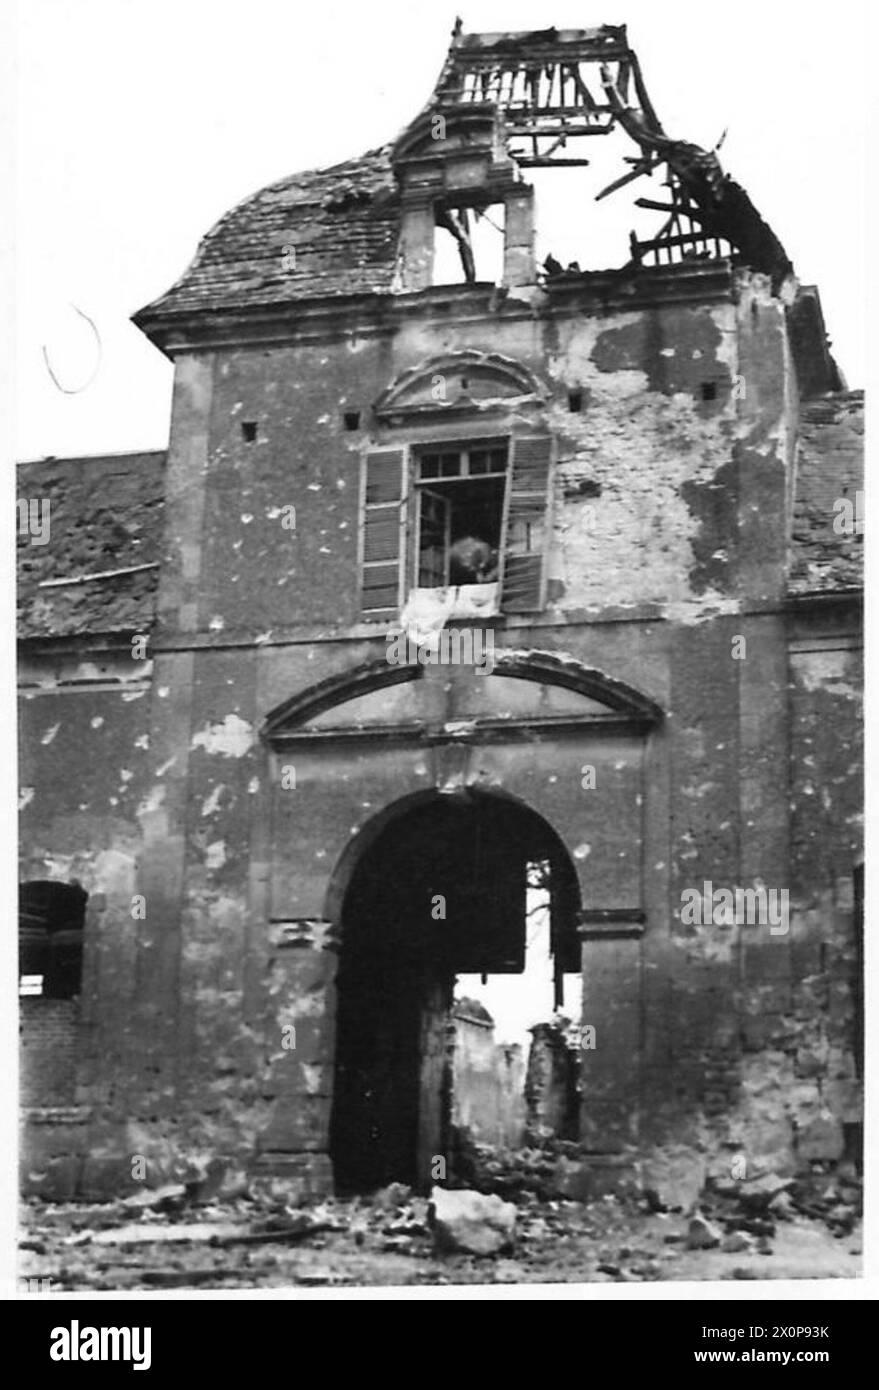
(441, 890)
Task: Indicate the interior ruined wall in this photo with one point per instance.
(488, 1084)
(551, 1086)
(669, 543)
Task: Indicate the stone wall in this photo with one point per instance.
(668, 572)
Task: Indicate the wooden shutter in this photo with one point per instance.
(525, 536)
(383, 515)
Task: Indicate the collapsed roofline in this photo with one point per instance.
(523, 100)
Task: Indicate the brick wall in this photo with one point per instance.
(49, 1033)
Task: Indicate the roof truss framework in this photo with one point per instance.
(549, 90)
(511, 101)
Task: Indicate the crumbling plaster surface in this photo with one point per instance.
(828, 549)
(762, 1047)
(650, 499)
(826, 766)
(623, 522)
(84, 761)
(664, 498)
(239, 987)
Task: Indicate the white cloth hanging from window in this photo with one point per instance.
(427, 611)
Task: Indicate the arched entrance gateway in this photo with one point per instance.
(440, 892)
(414, 807)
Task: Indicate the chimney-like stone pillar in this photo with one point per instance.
(519, 267)
(417, 235)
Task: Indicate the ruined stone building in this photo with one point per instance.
(259, 841)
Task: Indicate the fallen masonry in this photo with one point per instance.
(455, 1235)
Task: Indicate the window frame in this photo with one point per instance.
(464, 450)
(441, 429)
(463, 446)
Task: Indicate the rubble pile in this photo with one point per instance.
(743, 1215)
(551, 1170)
(181, 1236)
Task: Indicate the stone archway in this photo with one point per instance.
(440, 889)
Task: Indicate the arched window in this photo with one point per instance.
(51, 921)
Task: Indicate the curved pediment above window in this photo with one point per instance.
(521, 691)
(466, 130)
(459, 383)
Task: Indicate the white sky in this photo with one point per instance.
(139, 122)
(517, 1002)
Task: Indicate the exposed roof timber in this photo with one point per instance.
(540, 79)
(721, 205)
(572, 83)
(322, 243)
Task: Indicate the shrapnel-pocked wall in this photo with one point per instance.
(213, 738)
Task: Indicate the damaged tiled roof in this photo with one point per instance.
(105, 519)
(830, 467)
(324, 232)
(334, 232)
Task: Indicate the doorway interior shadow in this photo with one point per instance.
(439, 891)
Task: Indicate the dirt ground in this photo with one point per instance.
(387, 1240)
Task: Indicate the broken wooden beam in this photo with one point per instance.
(286, 1234)
(643, 167)
(545, 161)
(676, 208)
